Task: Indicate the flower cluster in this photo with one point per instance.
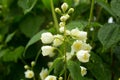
(29, 72)
(75, 38)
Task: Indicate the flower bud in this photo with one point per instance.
(63, 18)
(26, 67)
(67, 16)
(67, 32)
(57, 10)
(64, 7)
(110, 20)
(71, 10)
(60, 78)
(83, 71)
(62, 24)
(92, 29)
(33, 63)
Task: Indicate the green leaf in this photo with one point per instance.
(75, 24)
(9, 37)
(27, 5)
(34, 39)
(30, 25)
(6, 3)
(117, 52)
(98, 69)
(75, 70)
(109, 35)
(107, 7)
(69, 2)
(55, 64)
(115, 6)
(9, 55)
(59, 67)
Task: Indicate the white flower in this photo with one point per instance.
(51, 77)
(86, 47)
(77, 45)
(110, 20)
(83, 56)
(83, 71)
(80, 45)
(47, 50)
(58, 40)
(75, 32)
(29, 74)
(43, 73)
(47, 37)
(81, 35)
(64, 7)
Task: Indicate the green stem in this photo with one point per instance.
(65, 53)
(37, 56)
(54, 16)
(34, 78)
(99, 13)
(91, 13)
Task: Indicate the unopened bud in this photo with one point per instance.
(67, 16)
(62, 24)
(67, 32)
(33, 63)
(61, 29)
(26, 67)
(64, 7)
(64, 17)
(71, 10)
(60, 78)
(57, 10)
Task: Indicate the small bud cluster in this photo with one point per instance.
(64, 12)
(29, 72)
